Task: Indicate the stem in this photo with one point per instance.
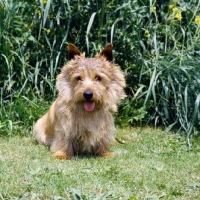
(103, 8)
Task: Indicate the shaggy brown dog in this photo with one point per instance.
(80, 119)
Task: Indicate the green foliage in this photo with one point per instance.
(20, 112)
(171, 65)
(175, 92)
(156, 43)
(33, 45)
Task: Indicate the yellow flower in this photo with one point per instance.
(171, 6)
(153, 10)
(48, 31)
(38, 12)
(178, 16)
(2, 7)
(44, 1)
(175, 1)
(197, 20)
(26, 25)
(184, 9)
(51, 16)
(177, 13)
(175, 10)
(147, 34)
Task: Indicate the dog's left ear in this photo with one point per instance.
(73, 51)
(107, 52)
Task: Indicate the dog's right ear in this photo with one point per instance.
(73, 51)
(107, 52)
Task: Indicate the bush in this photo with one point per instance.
(155, 42)
(172, 66)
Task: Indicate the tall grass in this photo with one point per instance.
(156, 43)
(173, 66)
(167, 71)
(33, 38)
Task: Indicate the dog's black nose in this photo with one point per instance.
(88, 94)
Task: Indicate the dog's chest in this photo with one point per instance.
(84, 142)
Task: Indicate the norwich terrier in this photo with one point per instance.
(80, 120)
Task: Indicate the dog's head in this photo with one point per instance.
(91, 83)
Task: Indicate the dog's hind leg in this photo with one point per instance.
(103, 151)
(42, 132)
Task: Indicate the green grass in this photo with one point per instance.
(151, 164)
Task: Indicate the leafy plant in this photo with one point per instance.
(156, 43)
(20, 112)
(173, 67)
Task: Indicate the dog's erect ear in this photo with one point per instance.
(73, 51)
(107, 52)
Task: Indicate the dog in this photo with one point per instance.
(80, 120)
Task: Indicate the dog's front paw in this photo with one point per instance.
(61, 156)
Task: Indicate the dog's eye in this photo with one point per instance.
(79, 78)
(98, 78)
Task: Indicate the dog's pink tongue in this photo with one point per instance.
(89, 105)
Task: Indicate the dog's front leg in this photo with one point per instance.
(62, 149)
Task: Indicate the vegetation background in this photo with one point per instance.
(156, 43)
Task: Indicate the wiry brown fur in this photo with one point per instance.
(67, 127)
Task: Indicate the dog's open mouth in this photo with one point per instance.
(89, 105)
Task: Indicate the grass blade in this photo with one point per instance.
(112, 30)
(46, 12)
(88, 29)
(150, 86)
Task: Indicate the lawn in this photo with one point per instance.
(150, 164)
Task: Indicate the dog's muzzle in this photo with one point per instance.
(89, 104)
